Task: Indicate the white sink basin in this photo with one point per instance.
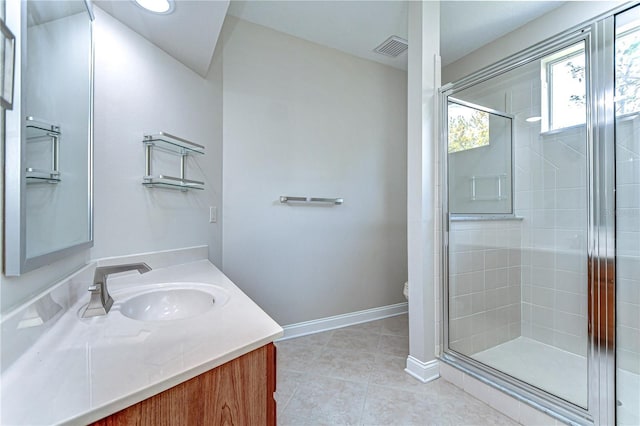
(170, 301)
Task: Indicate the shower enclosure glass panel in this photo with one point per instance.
(627, 83)
(479, 146)
(517, 282)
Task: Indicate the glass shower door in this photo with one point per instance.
(539, 155)
(517, 192)
(627, 83)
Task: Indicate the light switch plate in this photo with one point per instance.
(213, 214)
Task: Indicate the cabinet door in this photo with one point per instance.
(239, 392)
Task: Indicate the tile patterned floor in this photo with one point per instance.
(355, 376)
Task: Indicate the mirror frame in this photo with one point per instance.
(16, 261)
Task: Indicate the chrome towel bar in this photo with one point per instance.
(285, 199)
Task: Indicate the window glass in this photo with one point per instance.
(567, 91)
(479, 159)
(468, 128)
(628, 71)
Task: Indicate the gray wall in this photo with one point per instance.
(302, 119)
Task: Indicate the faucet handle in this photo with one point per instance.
(100, 302)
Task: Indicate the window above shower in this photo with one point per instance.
(564, 82)
(563, 89)
(627, 63)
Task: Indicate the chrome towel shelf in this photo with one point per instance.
(42, 131)
(500, 182)
(175, 145)
(284, 199)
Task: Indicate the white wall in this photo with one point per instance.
(138, 89)
(423, 224)
(302, 119)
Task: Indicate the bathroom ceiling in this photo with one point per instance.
(357, 27)
(42, 11)
(190, 33)
(467, 25)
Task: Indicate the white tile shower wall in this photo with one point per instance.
(485, 258)
(628, 243)
(484, 286)
(552, 196)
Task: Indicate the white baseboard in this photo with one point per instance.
(423, 371)
(338, 321)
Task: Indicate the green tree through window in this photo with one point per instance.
(468, 128)
(627, 63)
(628, 72)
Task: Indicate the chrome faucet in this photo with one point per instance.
(101, 301)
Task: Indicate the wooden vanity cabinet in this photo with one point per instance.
(239, 393)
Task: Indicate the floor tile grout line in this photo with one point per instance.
(286, 404)
(366, 385)
(364, 401)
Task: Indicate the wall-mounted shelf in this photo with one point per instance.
(497, 181)
(174, 145)
(172, 182)
(42, 131)
(39, 175)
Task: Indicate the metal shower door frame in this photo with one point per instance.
(598, 36)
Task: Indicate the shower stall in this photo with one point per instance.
(541, 223)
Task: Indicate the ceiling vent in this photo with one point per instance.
(393, 47)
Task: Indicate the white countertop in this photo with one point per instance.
(82, 370)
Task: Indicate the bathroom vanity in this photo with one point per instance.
(239, 392)
(212, 367)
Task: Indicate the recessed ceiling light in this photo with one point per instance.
(533, 119)
(156, 6)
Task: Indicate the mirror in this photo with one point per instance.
(479, 159)
(48, 178)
